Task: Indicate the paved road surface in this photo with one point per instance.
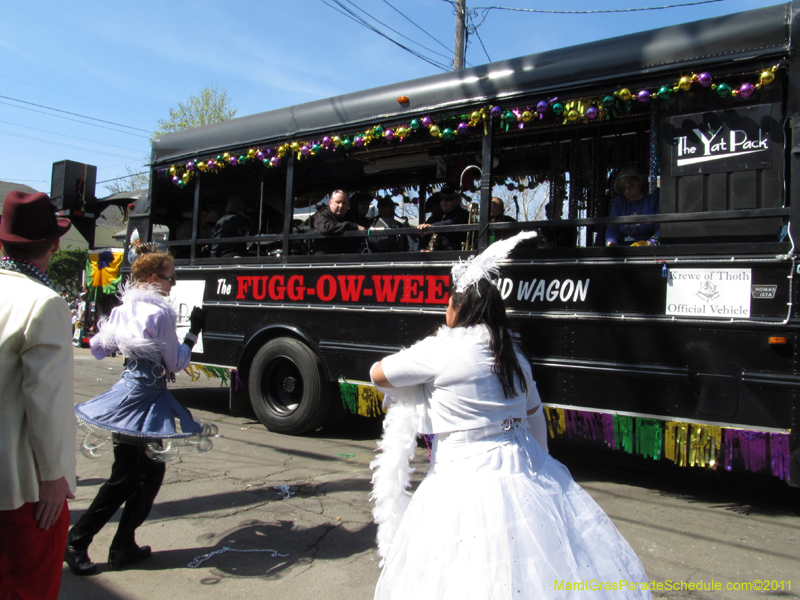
(318, 542)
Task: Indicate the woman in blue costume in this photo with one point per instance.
(631, 185)
(496, 517)
(139, 412)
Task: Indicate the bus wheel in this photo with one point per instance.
(287, 389)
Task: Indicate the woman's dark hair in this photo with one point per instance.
(483, 304)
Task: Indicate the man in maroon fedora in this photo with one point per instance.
(37, 423)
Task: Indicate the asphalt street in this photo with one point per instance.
(288, 518)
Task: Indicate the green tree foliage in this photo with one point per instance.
(211, 105)
(136, 180)
(66, 267)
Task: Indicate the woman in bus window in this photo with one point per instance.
(138, 412)
(631, 185)
(496, 517)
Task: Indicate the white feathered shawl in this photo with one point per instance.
(392, 476)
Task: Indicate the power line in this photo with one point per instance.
(373, 28)
(589, 12)
(66, 112)
(475, 31)
(417, 26)
(41, 112)
(52, 143)
(362, 22)
(486, 9)
(69, 136)
(397, 32)
(44, 87)
(24, 180)
(123, 177)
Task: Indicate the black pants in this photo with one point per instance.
(135, 480)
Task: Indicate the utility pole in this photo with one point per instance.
(461, 34)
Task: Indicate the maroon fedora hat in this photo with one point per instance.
(30, 218)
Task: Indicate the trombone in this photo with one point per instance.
(471, 235)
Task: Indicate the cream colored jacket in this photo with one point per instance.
(37, 418)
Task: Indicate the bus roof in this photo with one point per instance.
(759, 33)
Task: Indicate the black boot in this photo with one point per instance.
(78, 561)
(119, 559)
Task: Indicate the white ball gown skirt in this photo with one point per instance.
(498, 518)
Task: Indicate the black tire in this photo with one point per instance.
(287, 389)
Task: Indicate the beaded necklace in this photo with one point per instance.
(632, 228)
(19, 265)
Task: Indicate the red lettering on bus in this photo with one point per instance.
(242, 282)
(350, 285)
(436, 289)
(386, 287)
(260, 287)
(295, 287)
(411, 292)
(329, 282)
(276, 292)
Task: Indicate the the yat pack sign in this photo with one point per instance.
(722, 141)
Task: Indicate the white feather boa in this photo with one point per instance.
(114, 336)
(392, 476)
(406, 418)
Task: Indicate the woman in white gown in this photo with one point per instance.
(496, 517)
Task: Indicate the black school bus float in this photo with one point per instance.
(682, 350)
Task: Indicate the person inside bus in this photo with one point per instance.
(452, 214)
(433, 208)
(332, 222)
(234, 223)
(205, 230)
(631, 185)
(497, 214)
(386, 219)
(359, 207)
(556, 237)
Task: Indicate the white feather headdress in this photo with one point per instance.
(484, 265)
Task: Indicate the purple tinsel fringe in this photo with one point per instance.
(608, 431)
(779, 454)
(751, 448)
(237, 382)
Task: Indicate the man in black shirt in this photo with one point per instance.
(359, 207)
(497, 214)
(234, 223)
(386, 220)
(333, 222)
(452, 214)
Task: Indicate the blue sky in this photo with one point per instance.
(128, 63)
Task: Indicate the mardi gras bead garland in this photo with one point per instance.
(551, 111)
